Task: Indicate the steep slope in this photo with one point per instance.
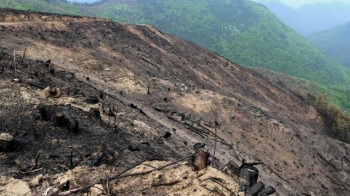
(180, 88)
(334, 42)
(241, 31)
(310, 18)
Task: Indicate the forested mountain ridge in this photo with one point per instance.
(334, 42)
(310, 18)
(241, 31)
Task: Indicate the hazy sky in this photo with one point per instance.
(292, 3)
(298, 3)
(82, 1)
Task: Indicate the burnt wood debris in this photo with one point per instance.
(248, 175)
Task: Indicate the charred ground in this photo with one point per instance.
(156, 84)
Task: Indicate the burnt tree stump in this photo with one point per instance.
(200, 160)
(231, 169)
(6, 142)
(167, 135)
(61, 120)
(5, 145)
(44, 113)
(95, 113)
(47, 63)
(52, 91)
(73, 126)
(249, 176)
(101, 95)
(52, 71)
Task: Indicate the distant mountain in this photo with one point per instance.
(310, 18)
(334, 42)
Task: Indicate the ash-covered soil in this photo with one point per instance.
(149, 85)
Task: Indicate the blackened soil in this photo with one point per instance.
(36, 133)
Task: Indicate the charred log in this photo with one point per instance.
(267, 191)
(91, 100)
(254, 190)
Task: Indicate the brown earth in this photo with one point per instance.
(172, 86)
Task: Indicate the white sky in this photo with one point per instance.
(82, 1)
(298, 3)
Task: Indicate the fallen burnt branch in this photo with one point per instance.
(219, 181)
(278, 175)
(120, 175)
(37, 85)
(335, 181)
(329, 163)
(166, 183)
(31, 171)
(215, 190)
(248, 165)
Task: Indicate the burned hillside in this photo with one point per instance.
(156, 96)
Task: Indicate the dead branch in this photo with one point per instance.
(24, 54)
(76, 190)
(216, 126)
(120, 175)
(166, 183)
(71, 160)
(36, 161)
(218, 180)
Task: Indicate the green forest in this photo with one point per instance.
(242, 31)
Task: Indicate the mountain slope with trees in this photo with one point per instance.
(334, 42)
(241, 31)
